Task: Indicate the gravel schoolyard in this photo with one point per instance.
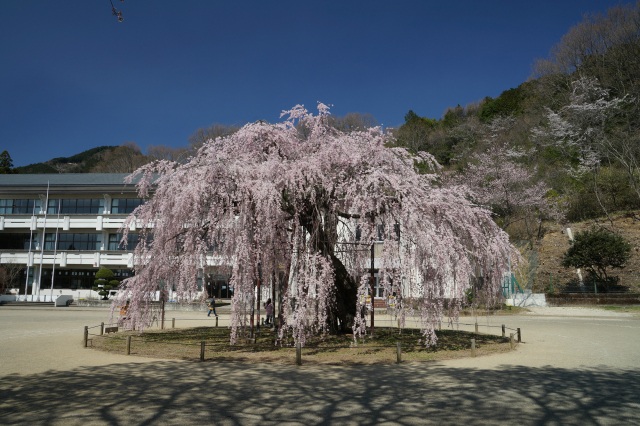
(575, 366)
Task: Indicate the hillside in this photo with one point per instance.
(550, 249)
(83, 162)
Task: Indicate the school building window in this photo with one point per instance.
(124, 205)
(19, 206)
(73, 241)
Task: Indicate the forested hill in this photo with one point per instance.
(565, 144)
(80, 163)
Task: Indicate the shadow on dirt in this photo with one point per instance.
(170, 392)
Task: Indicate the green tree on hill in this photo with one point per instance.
(597, 250)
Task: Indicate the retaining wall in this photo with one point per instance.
(593, 299)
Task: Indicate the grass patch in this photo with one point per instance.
(622, 308)
(503, 310)
(329, 349)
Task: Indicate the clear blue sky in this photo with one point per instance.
(73, 78)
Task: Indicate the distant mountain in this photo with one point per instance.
(83, 162)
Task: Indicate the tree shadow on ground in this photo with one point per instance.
(235, 393)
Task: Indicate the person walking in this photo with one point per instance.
(212, 306)
(269, 309)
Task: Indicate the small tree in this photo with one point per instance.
(596, 250)
(105, 281)
(6, 163)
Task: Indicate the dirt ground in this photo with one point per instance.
(575, 366)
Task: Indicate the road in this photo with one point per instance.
(574, 367)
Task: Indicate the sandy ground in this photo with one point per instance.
(575, 366)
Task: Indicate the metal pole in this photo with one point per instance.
(258, 296)
(44, 233)
(373, 289)
(26, 283)
(55, 251)
(162, 299)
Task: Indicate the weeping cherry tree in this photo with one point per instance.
(301, 203)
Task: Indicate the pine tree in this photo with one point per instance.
(6, 163)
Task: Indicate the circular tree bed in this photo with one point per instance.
(381, 348)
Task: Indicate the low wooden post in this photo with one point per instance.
(503, 330)
(511, 342)
(173, 323)
(101, 328)
(86, 335)
(128, 345)
(398, 353)
(473, 348)
(519, 336)
(298, 354)
(216, 322)
(202, 346)
(162, 323)
(476, 327)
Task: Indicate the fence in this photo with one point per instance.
(249, 343)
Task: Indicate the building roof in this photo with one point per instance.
(64, 182)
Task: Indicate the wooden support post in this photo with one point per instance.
(398, 352)
(216, 322)
(298, 354)
(128, 345)
(202, 346)
(476, 327)
(503, 331)
(519, 336)
(86, 335)
(511, 342)
(473, 347)
(162, 323)
(173, 323)
(101, 328)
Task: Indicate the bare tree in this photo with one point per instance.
(216, 130)
(353, 121)
(163, 152)
(124, 159)
(9, 275)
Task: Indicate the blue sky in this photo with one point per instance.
(73, 78)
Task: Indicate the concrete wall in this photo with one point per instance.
(526, 299)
